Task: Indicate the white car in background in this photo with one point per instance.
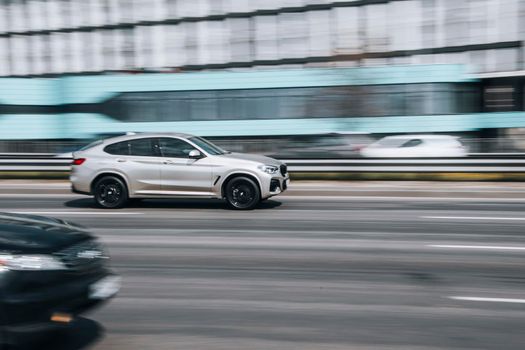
(415, 146)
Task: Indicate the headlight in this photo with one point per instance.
(269, 169)
(29, 262)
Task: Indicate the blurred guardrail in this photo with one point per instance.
(40, 163)
(463, 165)
(299, 146)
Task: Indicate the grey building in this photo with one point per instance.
(48, 37)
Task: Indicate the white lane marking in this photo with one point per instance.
(486, 247)
(301, 198)
(74, 213)
(472, 218)
(493, 300)
(40, 195)
(398, 198)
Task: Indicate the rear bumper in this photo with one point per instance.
(80, 180)
(74, 190)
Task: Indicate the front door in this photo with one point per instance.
(181, 175)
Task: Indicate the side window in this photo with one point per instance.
(142, 147)
(174, 148)
(119, 148)
(412, 143)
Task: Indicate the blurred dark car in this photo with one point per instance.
(50, 272)
(332, 145)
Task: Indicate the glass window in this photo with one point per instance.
(126, 8)
(346, 24)
(265, 37)
(16, 17)
(58, 51)
(142, 147)
(4, 12)
(19, 54)
(311, 102)
(320, 40)
(412, 143)
(191, 43)
(128, 47)
(293, 35)
(174, 148)
(240, 39)
(119, 148)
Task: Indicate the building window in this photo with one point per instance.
(240, 39)
(499, 98)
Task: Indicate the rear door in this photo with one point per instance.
(181, 175)
(140, 161)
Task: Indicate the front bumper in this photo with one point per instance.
(32, 310)
(277, 186)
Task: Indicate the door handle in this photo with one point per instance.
(168, 162)
(120, 160)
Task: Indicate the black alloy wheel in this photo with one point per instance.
(242, 193)
(110, 192)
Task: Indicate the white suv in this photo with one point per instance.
(173, 165)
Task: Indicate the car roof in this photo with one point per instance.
(145, 135)
(421, 136)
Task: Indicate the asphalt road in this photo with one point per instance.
(326, 266)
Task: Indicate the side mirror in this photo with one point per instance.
(195, 154)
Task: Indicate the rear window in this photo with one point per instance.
(119, 148)
(412, 143)
(140, 147)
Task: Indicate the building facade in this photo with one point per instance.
(49, 37)
(260, 67)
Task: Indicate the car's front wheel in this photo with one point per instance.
(110, 192)
(242, 193)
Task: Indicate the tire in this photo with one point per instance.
(242, 193)
(110, 192)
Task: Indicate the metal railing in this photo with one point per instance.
(463, 165)
(308, 146)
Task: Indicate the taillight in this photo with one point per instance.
(78, 161)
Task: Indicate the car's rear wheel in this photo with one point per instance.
(110, 192)
(242, 193)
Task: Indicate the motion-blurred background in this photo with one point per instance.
(288, 78)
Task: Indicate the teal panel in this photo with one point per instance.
(435, 123)
(18, 91)
(86, 125)
(26, 127)
(91, 89)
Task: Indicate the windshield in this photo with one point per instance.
(207, 146)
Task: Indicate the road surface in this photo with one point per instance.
(374, 266)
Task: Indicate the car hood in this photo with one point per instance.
(253, 157)
(31, 234)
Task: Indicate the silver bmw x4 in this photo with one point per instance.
(167, 165)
